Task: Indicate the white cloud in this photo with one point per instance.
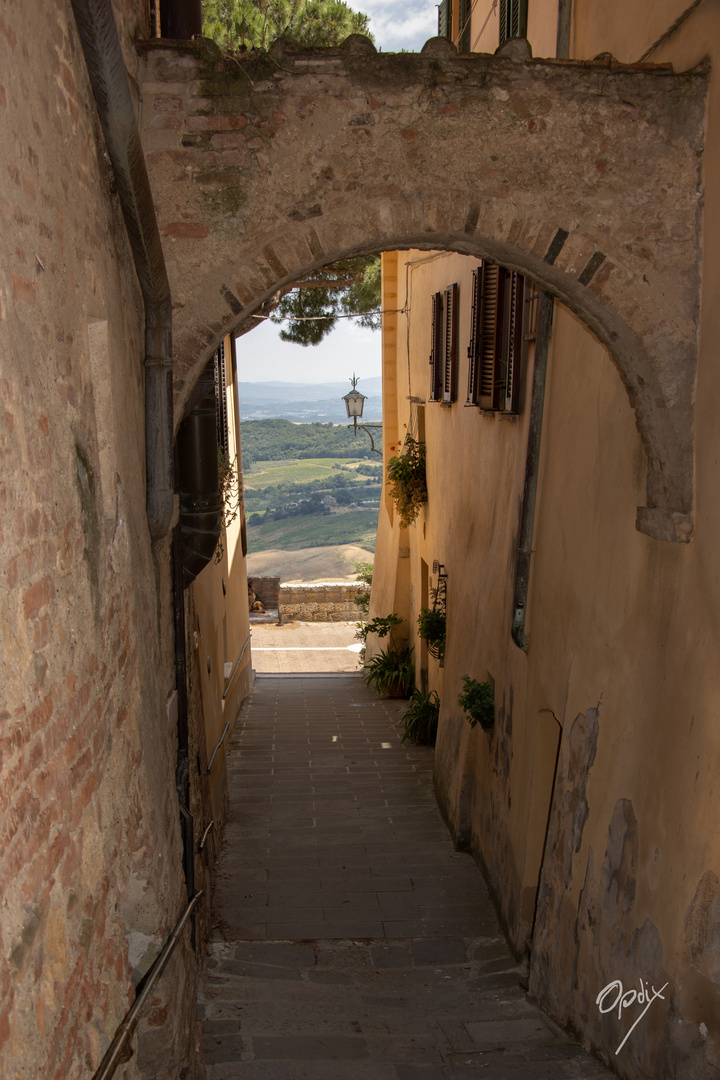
(400, 24)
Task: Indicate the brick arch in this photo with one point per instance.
(585, 177)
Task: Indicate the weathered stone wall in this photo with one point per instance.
(583, 175)
(90, 855)
(325, 602)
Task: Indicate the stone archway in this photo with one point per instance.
(585, 176)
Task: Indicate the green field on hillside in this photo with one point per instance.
(268, 473)
(296, 498)
(315, 530)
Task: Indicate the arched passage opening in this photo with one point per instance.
(585, 177)
(669, 460)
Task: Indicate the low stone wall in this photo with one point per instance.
(330, 601)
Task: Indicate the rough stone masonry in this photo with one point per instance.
(585, 176)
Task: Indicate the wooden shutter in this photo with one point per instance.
(436, 350)
(474, 346)
(445, 18)
(221, 415)
(450, 350)
(512, 344)
(491, 325)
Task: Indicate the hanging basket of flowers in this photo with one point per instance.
(406, 479)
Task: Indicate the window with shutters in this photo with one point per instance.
(513, 19)
(499, 328)
(450, 345)
(445, 19)
(436, 347)
(221, 415)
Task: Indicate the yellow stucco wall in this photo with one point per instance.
(220, 610)
(621, 673)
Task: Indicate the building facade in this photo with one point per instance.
(591, 801)
(102, 805)
(584, 803)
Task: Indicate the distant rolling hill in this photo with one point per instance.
(306, 402)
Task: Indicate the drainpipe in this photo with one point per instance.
(532, 467)
(111, 88)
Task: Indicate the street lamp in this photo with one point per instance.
(354, 402)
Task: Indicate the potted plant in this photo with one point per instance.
(478, 701)
(391, 671)
(420, 717)
(432, 626)
(406, 479)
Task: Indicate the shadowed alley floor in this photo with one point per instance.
(351, 941)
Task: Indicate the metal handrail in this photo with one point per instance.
(237, 665)
(218, 744)
(116, 1052)
(201, 845)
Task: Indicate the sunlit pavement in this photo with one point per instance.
(303, 647)
(351, 941)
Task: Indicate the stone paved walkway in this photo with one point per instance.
(297, 647)
(351, 941)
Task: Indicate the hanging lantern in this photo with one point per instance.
(354, 402)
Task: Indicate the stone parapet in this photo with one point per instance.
(327, 601)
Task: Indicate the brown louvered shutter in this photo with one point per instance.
(450, 351)
(492, 291)
(512, 345)
(221, 415)
(436, 346)
(474, 346)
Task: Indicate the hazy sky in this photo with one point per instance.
(262, 357)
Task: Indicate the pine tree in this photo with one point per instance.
(237, 25)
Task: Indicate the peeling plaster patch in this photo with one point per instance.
(568, 815)
(619, 872)
(702, 926)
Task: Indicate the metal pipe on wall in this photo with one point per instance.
(532, 468)
(111, 88)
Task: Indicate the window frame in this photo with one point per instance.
(450, 344)
(512, 19)
(498, 337)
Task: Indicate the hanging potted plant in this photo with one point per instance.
(478, 701)
(432, 622)
(432, 627)
(406, 479)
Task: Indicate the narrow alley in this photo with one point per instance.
(350, 939)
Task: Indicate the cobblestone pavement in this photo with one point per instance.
(304, 647)
(351, 942)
